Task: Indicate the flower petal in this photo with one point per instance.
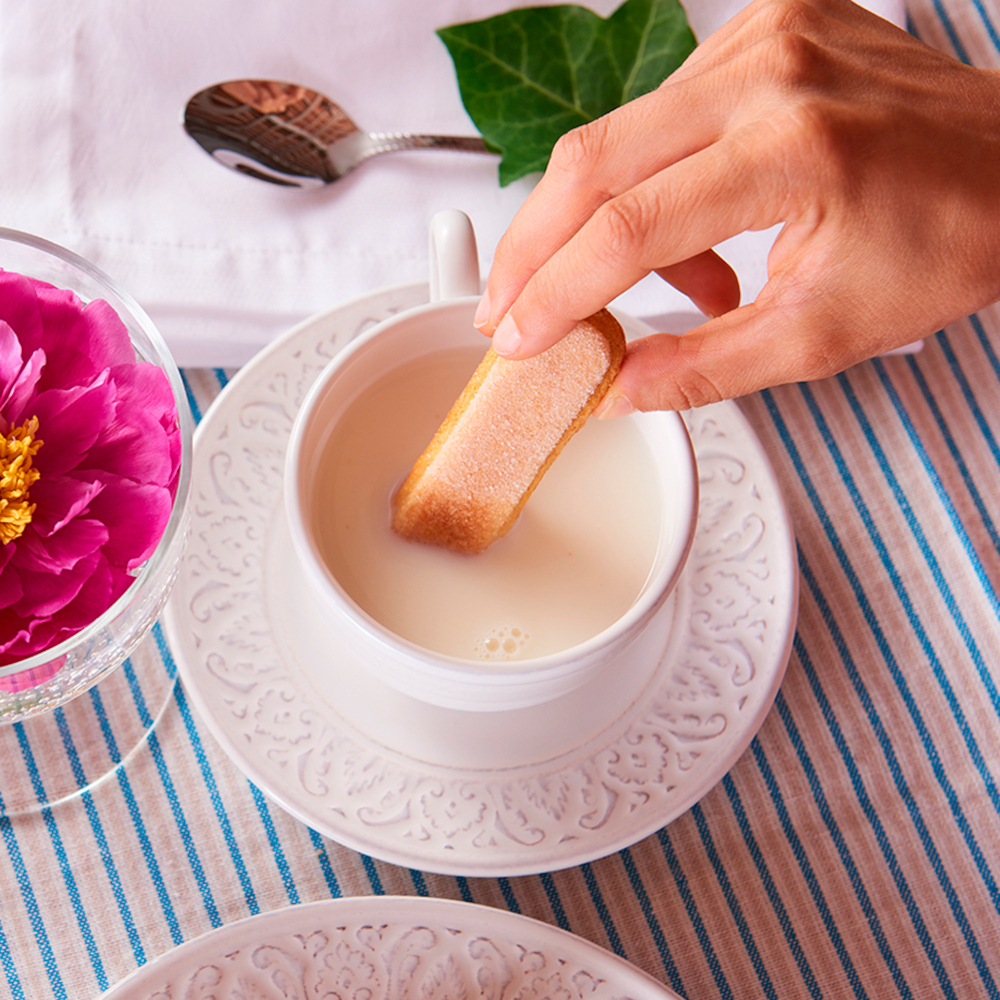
(58, 499)
(21, 391)
(16, 636)
(89, 338)
(107, 336)
(105, 585)
(11, 590)
(18, 380)
(136, 444)
(19, 307)
(45, 594)
(30, 636)
(11, 359)
(69, 422)
(136, 515)
(63, 549)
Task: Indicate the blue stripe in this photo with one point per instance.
(508, 895)
(970, 644)
(746, 935)
(372, 872)
(153, 742)
(946, 502)
(418, 882)
(983, 337)
(136, 815)
(272, 838)
(192, 402)
(955, 452)
(907, 603)
(987, 23)
(970, 398)
(323, 856)
(102, 842)
(59, 849)
(602, 910)
(973, 404)
(464, 890)
(9, 968)
(880, 639)
(819, 797)
(949, 28)
(221, 377)
(549, 885)
(808, 875)
(867, 806)
(114, 881)
(659, 938)
(30, 902)
(206, 773)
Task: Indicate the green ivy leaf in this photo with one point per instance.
(531, 74)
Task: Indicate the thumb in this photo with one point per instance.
(747, 349)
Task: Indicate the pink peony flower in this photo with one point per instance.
(90, 450)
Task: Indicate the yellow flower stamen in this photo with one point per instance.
(16, 477)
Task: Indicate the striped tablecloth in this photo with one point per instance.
(853, 851)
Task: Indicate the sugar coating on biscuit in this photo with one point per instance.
(511, 421)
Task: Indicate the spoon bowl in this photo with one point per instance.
(290, 135)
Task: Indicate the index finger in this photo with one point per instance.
(674, 216)
(589, 167)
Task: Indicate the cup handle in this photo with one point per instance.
(453, 255)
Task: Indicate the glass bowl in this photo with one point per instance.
(49, 679)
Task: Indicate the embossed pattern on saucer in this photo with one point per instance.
(370, 945)
(643, 766)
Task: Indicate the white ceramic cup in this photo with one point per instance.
(452, 682)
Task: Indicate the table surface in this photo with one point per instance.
(851, 851)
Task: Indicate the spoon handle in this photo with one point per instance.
(384, 142)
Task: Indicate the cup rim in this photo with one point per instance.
(444, 666)
(165, 361)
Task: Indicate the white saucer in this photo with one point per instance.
(369, 945)
(476, 794)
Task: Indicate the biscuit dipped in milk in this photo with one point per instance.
(502, 435)
(575, 560)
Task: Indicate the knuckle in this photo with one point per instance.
(579, 151)
(825, 347)
(694, 387)
(817, 134)
(518, 250)
(825, 356)
(624, 225)
(509, 246)
(793, 62)
(694, 391)
(545, 295)
(795, 17)
(674, 374)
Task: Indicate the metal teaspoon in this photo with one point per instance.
(288, 134)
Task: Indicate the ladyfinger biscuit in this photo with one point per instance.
(504, 431)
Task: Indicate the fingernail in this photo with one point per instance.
(482, 316)
(613, 405)
(507, 338)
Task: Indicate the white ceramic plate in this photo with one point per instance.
(476, 794)
(371, 945)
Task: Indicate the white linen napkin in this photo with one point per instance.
(93, 157)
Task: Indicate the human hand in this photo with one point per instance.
(879, 154)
